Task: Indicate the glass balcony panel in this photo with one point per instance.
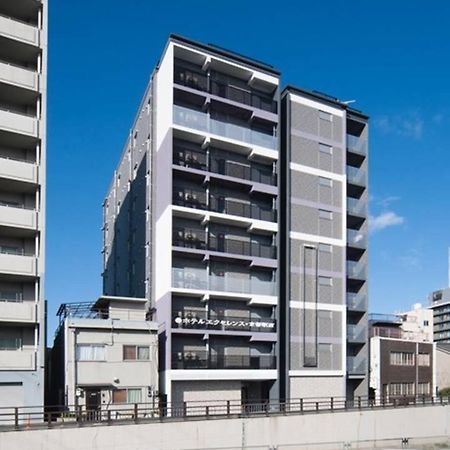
(357, 270)
(357, 334)
(357, 302)
(357, 207)
(357, 175)
(201, 121)
(357, 238)
(357, 365)
(357, 144)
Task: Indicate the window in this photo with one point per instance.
(134, 352)
(402, 359)
(423, 359)
(325, 182)
(326, 248)
(325, 116)
(91, 352)
(11, 296)
(324, 148)
(10, 343)
(425, 323)
(127, 396)
(325, 281)
(401, 389)
(423, 388)
(323, 214)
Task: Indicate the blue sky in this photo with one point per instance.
(392, 57)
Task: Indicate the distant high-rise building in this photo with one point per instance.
(23, 77)
(440, 304)
(243, 223)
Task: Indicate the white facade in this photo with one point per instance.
(417, 324)
(111, 359)
(23, 93)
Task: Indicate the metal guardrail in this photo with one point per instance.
(32, 417)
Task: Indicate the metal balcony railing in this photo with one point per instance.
(203, 360)
(251, 210)
(241, 247)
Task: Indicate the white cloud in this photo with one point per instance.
(384, 220)
(409, 125)
(412, 259)
(386, 201)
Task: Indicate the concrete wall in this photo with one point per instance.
(356, 429)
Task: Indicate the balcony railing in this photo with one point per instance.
(196, 278)
(203, 360)
(240, 247)
(203, 122)
(356, 144)
(357, 270)
(357, 238)
(356, 365)
(357, 207)
(195, 159)
(195, 79)
(189, 238)
(357, 302)
(189, 198)
(357, 176)
(200, 320)
(251, 210)
(357, 334)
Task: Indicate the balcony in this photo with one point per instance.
(18, 264)
(357, 270)
(357, 207)
(21, 31)
(194, 78)
(199, 321)
(357, 365)
(198, 279)
(201, 121)
(18, 123)
(17, 169)
(21, 359)
(357, 302)
(17, 311)
(357, 145)
(203, 360)
(357, 239)
(251, 210)
(189, 238)
(17, 217)
(241, 247)
(356, 334)
(357, 176)
(223, 163)
(18, 76)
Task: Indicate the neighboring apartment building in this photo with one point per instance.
(105, 354)
(323, 253)
(194, 223)
(23, 76)
(402, 356)
(440, 305)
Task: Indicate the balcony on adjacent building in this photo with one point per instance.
(357, 302)
(13, 311)
(357, 239)
(17, 216)
(17, 262)
(357, 270)
(203, 122)
(357, 334)
(357, 176)
(18, 169)
(203, 360)
(18, 122)
(19, 76)
(13, 28)
(357, 144)
(357, 365)
(357, 207)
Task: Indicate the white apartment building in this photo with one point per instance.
(23, 92)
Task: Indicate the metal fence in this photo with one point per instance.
(22, 418)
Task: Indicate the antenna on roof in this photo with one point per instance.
(347, 102)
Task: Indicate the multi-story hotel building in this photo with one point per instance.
(440, 305)
(23, 62)
(194, 222)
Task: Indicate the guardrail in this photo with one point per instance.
(23, 418)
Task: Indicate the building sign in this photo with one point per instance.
(227, 323)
